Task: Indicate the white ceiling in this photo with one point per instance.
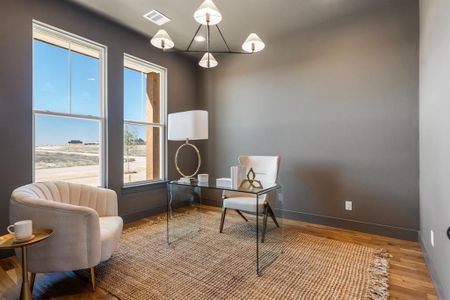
(268, 18)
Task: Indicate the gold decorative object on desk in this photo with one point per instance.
(8, 241)
(251, 181)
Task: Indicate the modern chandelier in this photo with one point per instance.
(208, 15)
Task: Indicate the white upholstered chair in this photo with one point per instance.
(86, 227)
(266, 170)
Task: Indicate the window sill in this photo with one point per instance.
(143, 186)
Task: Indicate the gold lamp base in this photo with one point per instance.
(187, 178)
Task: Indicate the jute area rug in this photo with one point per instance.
(209, 265)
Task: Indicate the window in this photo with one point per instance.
(68, 107)
(144, 121)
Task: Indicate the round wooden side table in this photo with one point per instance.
(7, 242)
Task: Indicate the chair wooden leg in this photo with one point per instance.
(264, 223)
(222, 220)
(272, 215)
(92, 272)
(32, 279)
(241, 214)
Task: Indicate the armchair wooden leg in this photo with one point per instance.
(241, 214)
(222, 220)
(264, 223)
(32, 279)
(272, 215)
(92, 272)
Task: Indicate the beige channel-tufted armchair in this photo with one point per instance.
(84, 219)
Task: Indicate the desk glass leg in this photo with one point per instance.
(183, 212)
(269, 228)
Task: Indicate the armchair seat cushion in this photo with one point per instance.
(247, 204)
(110, 231)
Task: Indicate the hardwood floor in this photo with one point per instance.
(67, 285)
(409, 277)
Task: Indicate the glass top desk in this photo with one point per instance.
(186, 217)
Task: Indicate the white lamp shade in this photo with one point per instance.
(204, 61)
(208, 10)
(192, 125)
(162, 40)
(253, 43)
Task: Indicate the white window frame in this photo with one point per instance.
(102, 118)
(163, 122)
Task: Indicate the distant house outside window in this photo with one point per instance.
(144, 121)
(68, 107)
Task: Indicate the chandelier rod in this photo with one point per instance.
(223, 38)
(212, 52)
(207, 40)
(192, 40)
(208, 37)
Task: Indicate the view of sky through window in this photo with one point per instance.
(135, 85)
(53, 92)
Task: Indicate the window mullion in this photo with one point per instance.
(69, 88)
(74, 116)
(142, 96)
(132, 122)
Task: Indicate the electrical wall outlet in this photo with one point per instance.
(348, 205)
(432, 238)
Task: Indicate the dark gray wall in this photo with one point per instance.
(435, 139)
(16, 95)
(339, 103)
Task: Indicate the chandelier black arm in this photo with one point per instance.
(229, 51)
(223, 38)
(195, 34)
(212, 52)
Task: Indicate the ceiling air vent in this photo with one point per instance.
(156, 17)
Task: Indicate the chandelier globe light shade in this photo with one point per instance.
(207, 13)
(162, 40)
(253, 44)
(208, 61)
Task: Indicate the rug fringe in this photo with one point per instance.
(379, 276)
